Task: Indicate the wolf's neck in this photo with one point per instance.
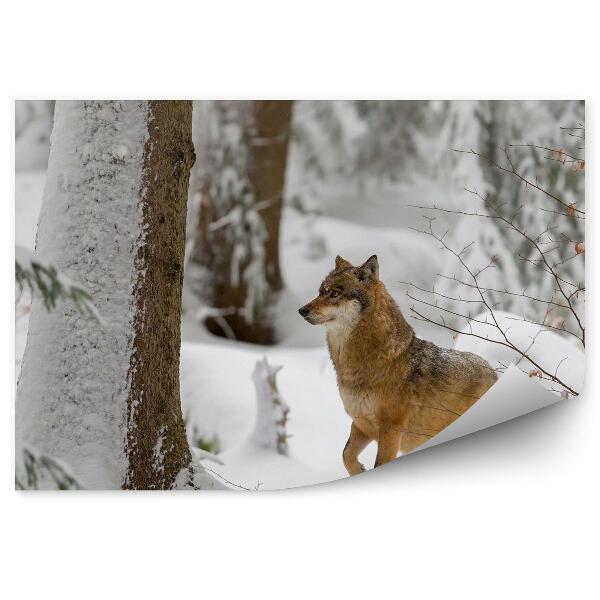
(380, 329)
(386, 324)
(340, 331)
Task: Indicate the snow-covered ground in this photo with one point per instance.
(218, 398)
(217, 391)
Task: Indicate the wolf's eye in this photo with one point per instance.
(334, 293)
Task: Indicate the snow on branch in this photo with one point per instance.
(218, 314)
(36, 471)
(45, 281)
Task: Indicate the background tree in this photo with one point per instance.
(238, 187)
(356, 145)
(388, 146)
(105, 398)
(517, 152)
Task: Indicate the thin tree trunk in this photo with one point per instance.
(234, 265)
(105, 399)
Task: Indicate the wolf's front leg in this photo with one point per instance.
(388, 443)
(356, 443)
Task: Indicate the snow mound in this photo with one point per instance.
(265, 457)
(253, 468)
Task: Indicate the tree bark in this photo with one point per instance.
(234, 265)
(157, 447)
(105, 399)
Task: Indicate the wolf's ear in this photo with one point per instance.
(341, 263)
(370, 268)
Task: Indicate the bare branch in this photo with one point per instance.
(546, 326)
(568, 158)
(499, 342)
(490, 308)
(507, 292)
(512, 171)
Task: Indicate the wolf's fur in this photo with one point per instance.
(398, 389)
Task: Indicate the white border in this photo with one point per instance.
(511, 512)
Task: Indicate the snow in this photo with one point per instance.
(218, 397)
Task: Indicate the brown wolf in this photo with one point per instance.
(398, 389)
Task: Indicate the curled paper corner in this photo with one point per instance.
(513, 395)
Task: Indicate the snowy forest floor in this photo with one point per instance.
(217, 392)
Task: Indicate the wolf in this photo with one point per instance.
(398, 389)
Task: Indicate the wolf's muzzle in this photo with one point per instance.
(303, 311)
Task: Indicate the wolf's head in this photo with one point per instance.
(344, 294)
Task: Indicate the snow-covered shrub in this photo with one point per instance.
(271, 409)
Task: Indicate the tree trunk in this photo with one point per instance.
(238, 184)
(105, 399)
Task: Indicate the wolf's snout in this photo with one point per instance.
(303, 311)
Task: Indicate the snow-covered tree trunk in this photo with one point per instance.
(104, 398)
(238, 184)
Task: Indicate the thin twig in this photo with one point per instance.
(516, 174)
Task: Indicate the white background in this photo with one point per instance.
(507, 513)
